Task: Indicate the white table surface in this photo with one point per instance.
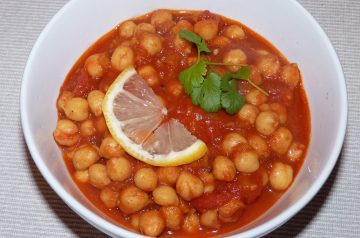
(30, 208)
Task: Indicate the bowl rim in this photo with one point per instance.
(111, 229)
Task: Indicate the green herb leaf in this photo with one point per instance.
(232, 102)
(196, 96)
(242, 73)
(210, 98)
(193, 76)
(196, 39)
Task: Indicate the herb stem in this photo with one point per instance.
(257, 87)
(224, 64)
(198, 51)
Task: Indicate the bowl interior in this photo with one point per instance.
(284, 23)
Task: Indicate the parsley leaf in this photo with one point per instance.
(196, 39)
(193, 76)
(210, 98)
(231, 100)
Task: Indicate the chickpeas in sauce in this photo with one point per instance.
(253, 156)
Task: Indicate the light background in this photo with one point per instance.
(30, 208)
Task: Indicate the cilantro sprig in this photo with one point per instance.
(209, 90)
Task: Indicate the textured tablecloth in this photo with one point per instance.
(30, 208)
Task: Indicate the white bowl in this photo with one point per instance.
(284, 23)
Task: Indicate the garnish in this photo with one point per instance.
(213, 92)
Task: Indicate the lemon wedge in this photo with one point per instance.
(137, 120)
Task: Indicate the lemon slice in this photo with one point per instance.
(137, 120)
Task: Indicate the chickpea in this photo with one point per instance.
(109, 197)
(146, 179)
(95, 99)
(259, 145)
(182, 25)
(109, 148)
(148, 73)
(255, 97)
(168, 175)
(97, 64)
(264, 178)
(278, 108)
(295, 151)
(82, 176)
(127, 29)
(210, 219)
(64, 97)
(135, 220)
(132, 199)
(150, 42)
(165, 196)
(174, 217)
(188, 186)
(223, 169)
(255, 75)
(175, 88)
(207, 29)
(209, 181)
(268, 65)
(183, 46)
(160, 17)
(235, 32)
(290, 75)
(85, 156)
(235, 56)
(98, 176)
(122, 57)
(77, 109)
(220, 41)
(281, 176)
(87, 128)
(100, 124)
(184, 206)
(248, 113)
(191, 222)
(230, 141)
(280, 140)
(144, 27)
(247, 161)
(66, 133)
(151, 223)
(118, 169)
(267, 122)
(230, 209)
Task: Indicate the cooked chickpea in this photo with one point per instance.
(229, 209)
(150, 42)
(144, 27)
(175, 88)
(109, 197)
(87, 128)
(247, 161)
(76, 109)
(209, 181)
(148, 73)
(255, 97)
(210, 219)
(188, 186)
(95, 99)
(168, 175)
(281, 176)
(223, 169)
(207, 29)
(85, 156)
(132, 199)
(255, 75)
(66, 133)
(183, 46)
(146, 179)
(100, 124)
(182, 25)
(64, 97)
(122, 57)
(109, 148)
(290, 75)
(268, 65)
(191, 222)
(235, 32)
(264, 178)
(230, 141)
(259, 145)
(98, 176)
(220, 41)
(97, 64)
(278, 108)
(295, 151)
(135, 220)
(235, 56)
(280, 140)
(174, 217)
(82, 176)
(267, 122)
(165, 196)
(248, 113)
(160, 17)
(151, 223)
(127, 29)
(118, 169)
